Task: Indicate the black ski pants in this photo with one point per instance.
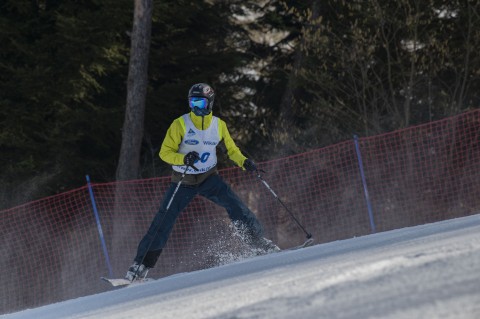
(214, 189)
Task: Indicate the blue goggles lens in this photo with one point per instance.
(198, 102)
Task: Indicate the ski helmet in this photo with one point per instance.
(200, 99)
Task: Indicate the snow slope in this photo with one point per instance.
(428, 271)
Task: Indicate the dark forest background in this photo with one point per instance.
(290, 76)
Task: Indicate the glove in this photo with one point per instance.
(191, 158)
(249, 165)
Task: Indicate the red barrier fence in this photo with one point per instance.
(51, 248)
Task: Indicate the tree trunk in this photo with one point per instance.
(132, 133)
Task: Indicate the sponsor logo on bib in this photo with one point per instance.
(209, 143)
(191, 132)
(191, 142)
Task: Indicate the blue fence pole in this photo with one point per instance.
(99, 227)
(364, 182)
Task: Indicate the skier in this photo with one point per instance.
(190, 147)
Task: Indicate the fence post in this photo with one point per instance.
(99, 227)
(364, 182)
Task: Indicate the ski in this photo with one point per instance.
(122, 282)
(308, 242)
(119, 282)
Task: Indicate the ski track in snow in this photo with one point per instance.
(428, 271)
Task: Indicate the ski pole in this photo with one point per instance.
(309, 235)
(164, 215)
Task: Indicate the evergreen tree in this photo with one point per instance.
(286, 73)
(372, 67)
(60, 99)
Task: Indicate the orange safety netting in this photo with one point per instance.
(51, 249)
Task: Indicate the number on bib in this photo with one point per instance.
(204, 157)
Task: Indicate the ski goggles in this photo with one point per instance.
(198, 102)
